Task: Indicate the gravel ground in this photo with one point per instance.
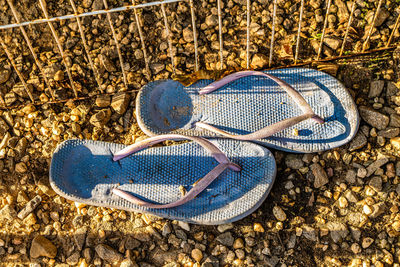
(340, 207)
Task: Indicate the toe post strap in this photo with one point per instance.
(270, 130)
(198, 187)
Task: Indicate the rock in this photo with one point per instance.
(293, 161)
(355, 248)
(343, 12)
(351, 176)
(309, 232)
(394, 120)
(337, 230)
(80, 237)
(3, 127)
(7, 213)
(87, 3)
(197, 255)
(59, 76)
(20, 89)
(366, 242)
(132, 243)
(279, 213)
(358, 142)
(188, 35)
(4, 75)
(259, 61)
(367, 210)
(380, 19)
(332, 42)
(343, 203)
(238, 243)
(10, 98)
(224, 227)
(5, 140)
(73, 259)
(378, 209)
(391, 89)
(321, 178)
(382, 160)
(21, 167)
(257, 227)
(212, 21)
(350, 196)
(107, 63)
(103, 101)
(120, 102)
(395, 142)
(315, 3)
(184, 225)
(374, 118)
(166, 230)
(376, 88)
(157, 68)
(225, 239)
(100, 118)
(107, 253)
(42, 247)
(21, 146)
(30, 206)
(128, 263)
(389, 132)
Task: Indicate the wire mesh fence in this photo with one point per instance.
(52, 51)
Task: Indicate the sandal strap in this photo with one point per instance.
(196, 189)
(308, 113)
(202, 184)
(207, 145)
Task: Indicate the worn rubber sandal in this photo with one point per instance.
(294, 110)
(225, 180)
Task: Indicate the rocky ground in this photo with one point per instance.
(340, 207)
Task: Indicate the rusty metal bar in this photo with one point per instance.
(324, 29)
(11, 59)
(221, 48)
(144, 50)
(53, 31)
(296, 55)
(372, 26)
(271, 49)
(95, 72)
(168, 33)
(353, 7)
(28, 42)
(116, 45)
(196, 55)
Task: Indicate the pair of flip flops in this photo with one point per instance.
(214, 180)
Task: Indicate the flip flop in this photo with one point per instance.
(236, 177)
(294, 110)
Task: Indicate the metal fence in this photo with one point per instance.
(52, 21)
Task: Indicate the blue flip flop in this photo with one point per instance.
(294, 110)
(225, 180)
